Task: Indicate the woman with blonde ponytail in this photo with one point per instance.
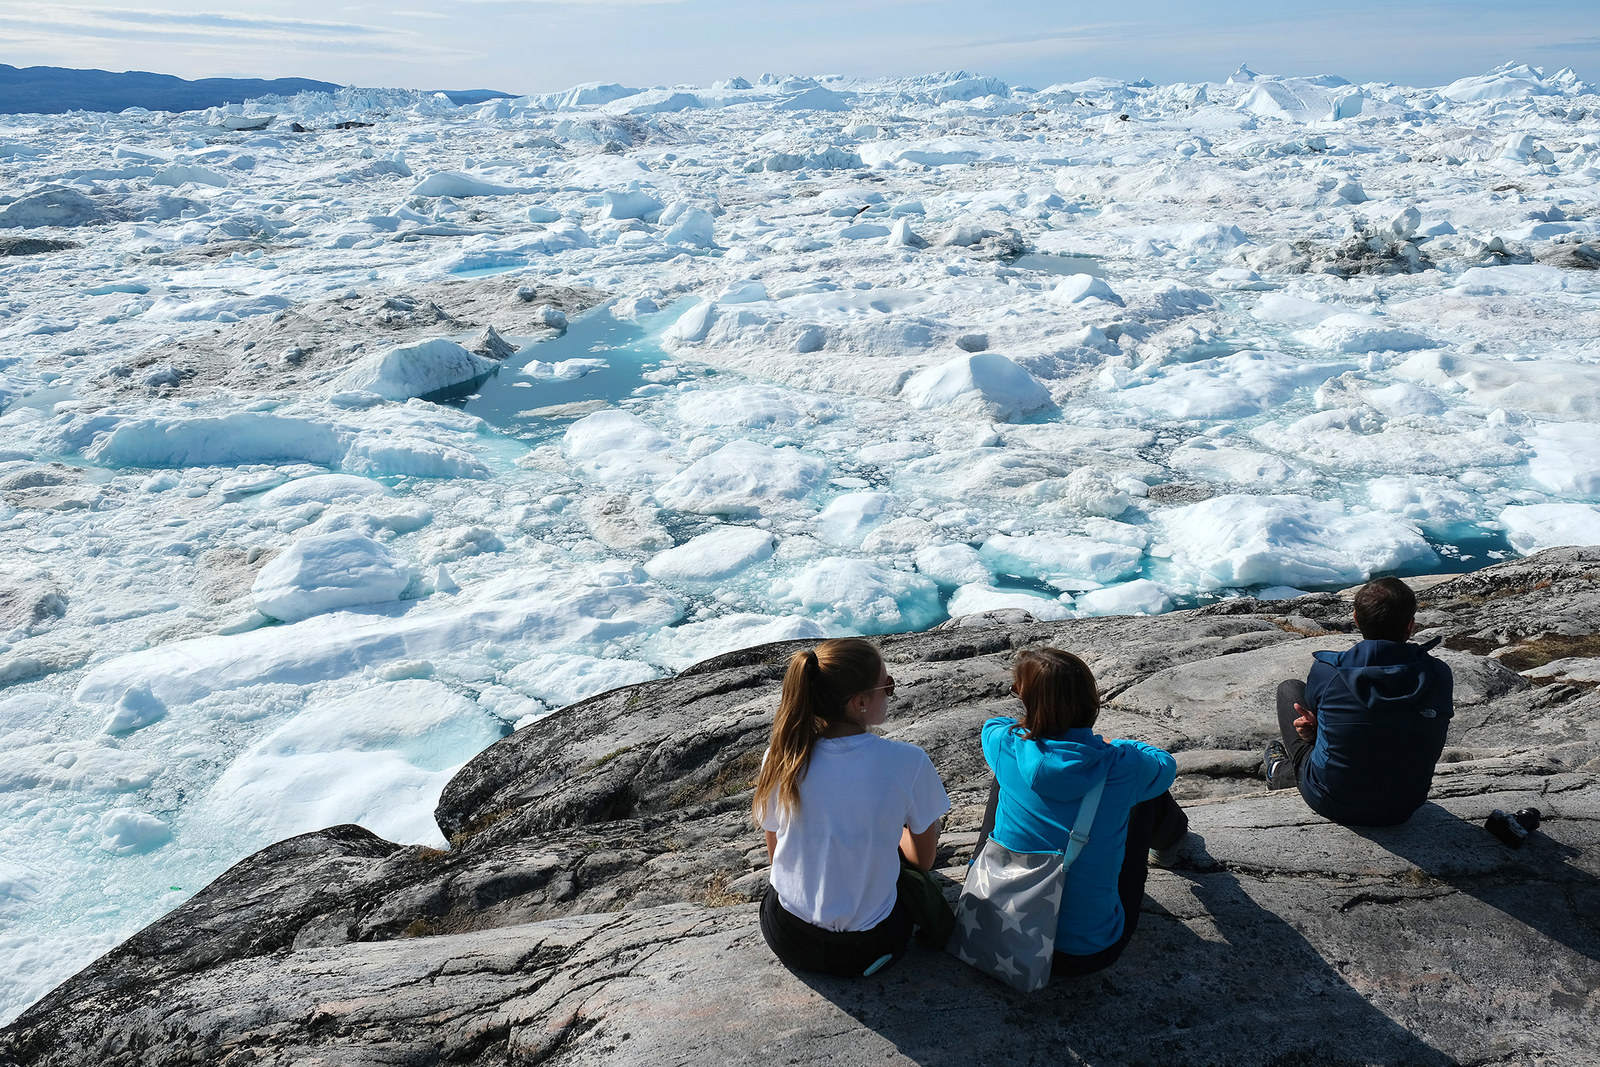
(840, 806)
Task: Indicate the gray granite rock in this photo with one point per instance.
(595, 905)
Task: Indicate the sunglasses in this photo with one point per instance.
(887, 687)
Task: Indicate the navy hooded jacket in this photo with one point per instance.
(1382, 711)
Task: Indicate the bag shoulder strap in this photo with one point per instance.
(1080, 828)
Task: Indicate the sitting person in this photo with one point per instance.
(1362, 733)
(840, 805)
(1043, 765)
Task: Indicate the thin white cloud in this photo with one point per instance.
(55, 17)
(573, 5)
(73, 30)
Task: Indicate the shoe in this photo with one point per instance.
(1277, 767)
(1167, 857)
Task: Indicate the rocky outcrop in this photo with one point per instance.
(594, 907)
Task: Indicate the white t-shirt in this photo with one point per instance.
(836, 863)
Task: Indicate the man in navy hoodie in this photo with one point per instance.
(1362, 733)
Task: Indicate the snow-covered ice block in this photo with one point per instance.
(1511, 278)
(179, 173)
(225, 441)
(460, 184)
(712, 556)
(693, 325)
(326, 572)
(1228, 387)
(396, 454)
(631, 203)
(562, 678)
(1354, 333)
(1438, 505)
(216, 309)
(544, 609)
(566, 370)
(1138, 597)
(1509, 82)
(405, 371)
(1237, 540)
(740, 479)
(977, 598)
(52, 205)
(1076, 288)
(322, 489)
(379, 757)
(1558, 387)
(984, 383)
(689, 225)
(744, 292)
(814, 99)
(864, 596)
(1532, 527)
(610, 431)
(681, 646)
(746, 406)
(847, 518)
(137, 708)
(955, 564)
(1566, 458)
(618, 446)
(126, 833)
(1062, 558)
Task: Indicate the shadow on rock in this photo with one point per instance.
(1211, 978)
(1537, 885)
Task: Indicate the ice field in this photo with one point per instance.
(289, 534)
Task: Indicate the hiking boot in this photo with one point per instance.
(1278, 767)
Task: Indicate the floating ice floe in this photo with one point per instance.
(864, 596)
(1532, 527)
(978, 598)
(712, 556)
(741, 478)
(981, 383)
(327, 572)
(406, 371)
(1235, 540)
(379, 758)
(461, 184)
(560, 678)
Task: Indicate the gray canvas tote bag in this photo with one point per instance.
(1006, 917)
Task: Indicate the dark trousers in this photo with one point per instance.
(1154, 823)
(846, 953)
(1290, 693)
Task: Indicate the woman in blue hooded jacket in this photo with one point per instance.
(1043, 765)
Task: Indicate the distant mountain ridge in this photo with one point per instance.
(52, 90)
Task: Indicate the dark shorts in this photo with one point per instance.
(847, 953)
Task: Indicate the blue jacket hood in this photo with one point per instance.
(1064, 768)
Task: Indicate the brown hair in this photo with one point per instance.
(1057, 691)
(1385, 609)
(816, 687)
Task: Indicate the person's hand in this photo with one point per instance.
(1306, 724)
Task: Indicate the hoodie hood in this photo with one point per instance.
(1385, 675)
(1064, 768)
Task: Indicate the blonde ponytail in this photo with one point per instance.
(816, 687)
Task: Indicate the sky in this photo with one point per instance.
(531, 46)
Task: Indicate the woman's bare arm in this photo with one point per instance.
(920, 848)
